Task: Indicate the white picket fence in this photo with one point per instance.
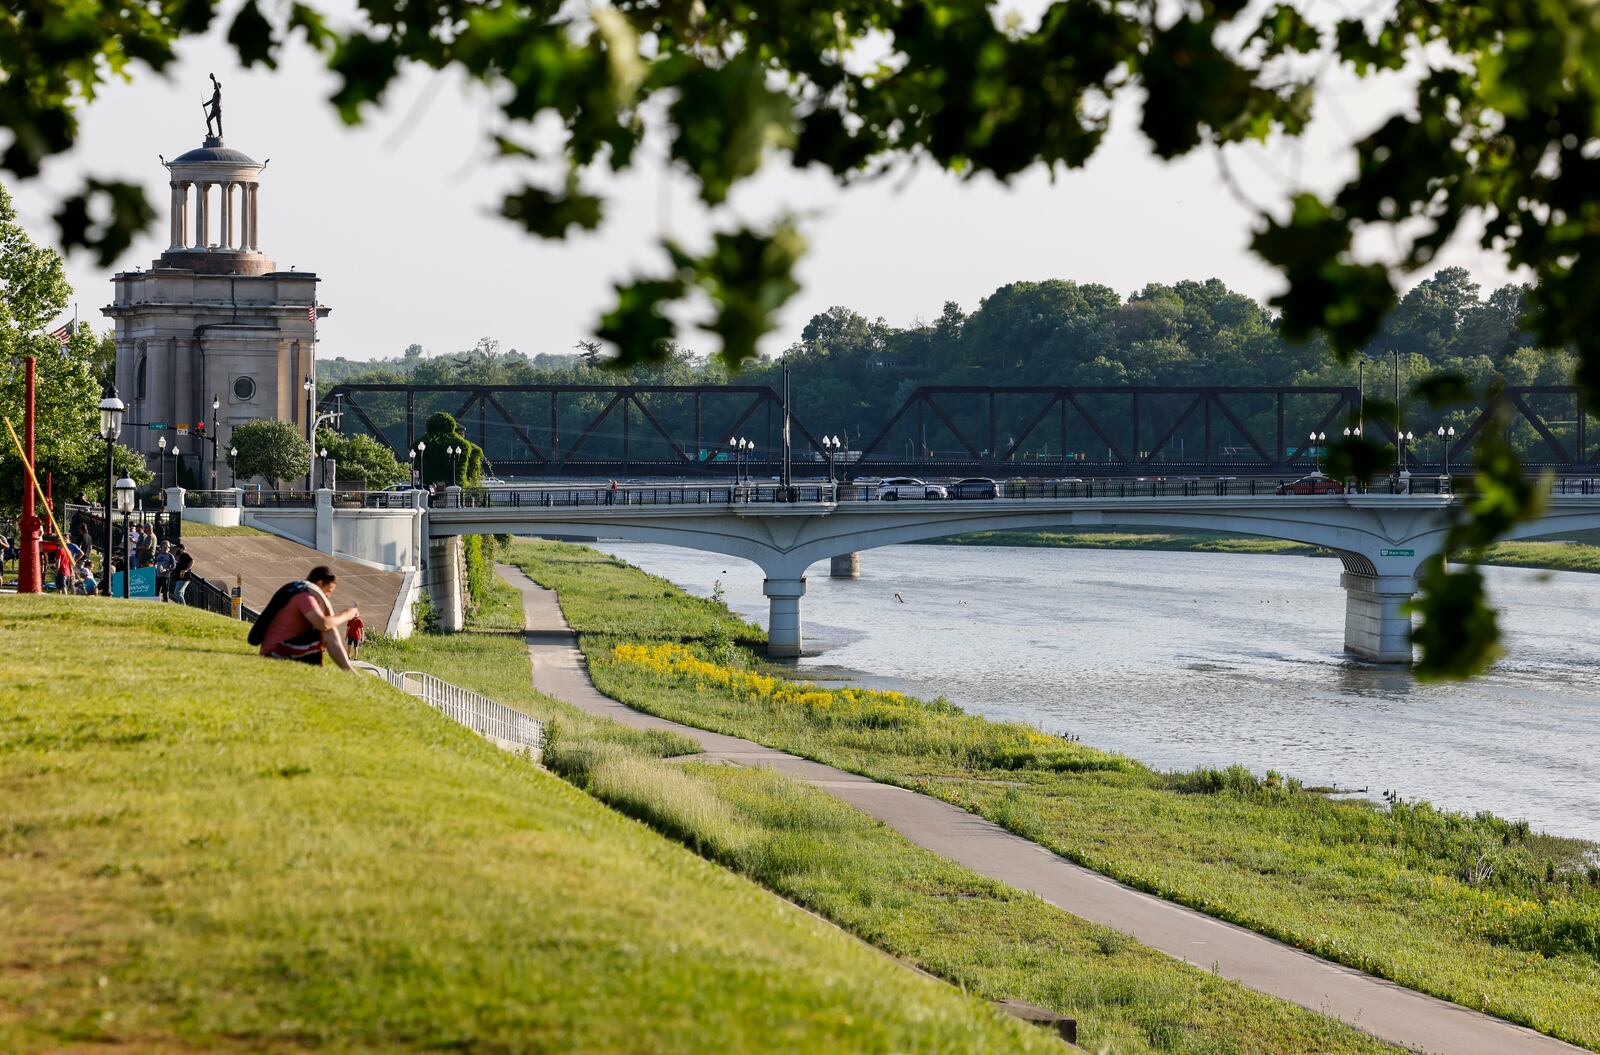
(506, 726)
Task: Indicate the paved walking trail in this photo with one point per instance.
(1396, 1014)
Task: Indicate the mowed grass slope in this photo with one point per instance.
(1477, 910)
(202, 850)
(993, 940)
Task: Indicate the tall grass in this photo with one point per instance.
(1475, 909)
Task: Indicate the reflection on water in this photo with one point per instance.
(1187, 659)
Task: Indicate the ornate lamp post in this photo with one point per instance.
(177, 462)
(311, 436)
(1405, 438)
(411, 458)
(323, 454)
(124, 489)
(455, 464)
(1446, 438)
(422, 462)
(111, 410)
(831, 445)
(1348, 433)
(1317, 440)
(233, 466)
(161, 464)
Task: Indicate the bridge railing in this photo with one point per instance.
(487, 718)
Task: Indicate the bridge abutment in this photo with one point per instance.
(845, 566)
(1376, 626)
(447, 571)
(783, 622)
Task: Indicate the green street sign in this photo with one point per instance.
(157, 425)
(1397, 553)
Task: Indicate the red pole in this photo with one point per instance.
(28, 575)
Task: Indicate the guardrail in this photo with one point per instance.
(814, 492)
(494, 721)
(825, 494)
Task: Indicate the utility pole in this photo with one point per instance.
(28, 575)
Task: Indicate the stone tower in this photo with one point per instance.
(213, 317)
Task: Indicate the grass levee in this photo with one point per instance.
(202, 850)
(1478, 910)
(988, 938)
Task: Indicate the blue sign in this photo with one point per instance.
(142, 587)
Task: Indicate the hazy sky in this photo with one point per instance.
(397, 215)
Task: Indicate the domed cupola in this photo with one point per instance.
(215, 206)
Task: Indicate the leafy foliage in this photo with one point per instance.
(361, 459)
(67, 443)
(271, 449)
(439, 467)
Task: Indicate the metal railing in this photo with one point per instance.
(482, 715)
(208, 596)
(830, 494)
(280, 499)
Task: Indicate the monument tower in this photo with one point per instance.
(213, 318)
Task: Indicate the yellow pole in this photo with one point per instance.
(28, 468)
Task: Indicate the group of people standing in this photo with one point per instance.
(70, 567)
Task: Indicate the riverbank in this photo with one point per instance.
(1477, 910)
(991, 940)
(207, 851)
(1574, 554)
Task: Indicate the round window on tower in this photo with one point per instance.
(244, 390)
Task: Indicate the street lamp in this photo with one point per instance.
(1405, 438)
(1317, 439)
(831, 445)
(1446, 437)
(124, 489)
(422, 463)
(161, 464)
(311, 437)
(216, 405)
(177, 461)
(233, 466)
(455, 464)
(324, 453)
(111, 409)
(411, 458)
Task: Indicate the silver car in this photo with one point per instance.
(897, 487)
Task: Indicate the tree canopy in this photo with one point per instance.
(67, 444)
(271, 449)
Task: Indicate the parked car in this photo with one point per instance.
(1315, 484)
(895, 488)
(975, 487)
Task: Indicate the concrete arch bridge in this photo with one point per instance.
(1382, 539)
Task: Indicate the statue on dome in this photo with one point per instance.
(213, 109)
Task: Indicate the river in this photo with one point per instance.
(1191, 659)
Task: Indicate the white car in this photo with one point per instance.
(895, 488)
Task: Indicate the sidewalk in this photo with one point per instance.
(1386, 1010)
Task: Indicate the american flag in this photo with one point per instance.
(63, 333)
(311, 312)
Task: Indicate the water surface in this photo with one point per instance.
(1188, 659)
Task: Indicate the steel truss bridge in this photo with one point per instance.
(1039, 431)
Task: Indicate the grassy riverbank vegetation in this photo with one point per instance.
(1479, 910)
(990, 939)
(1562, 554)
(207, 851)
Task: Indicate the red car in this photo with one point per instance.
(1315, 484)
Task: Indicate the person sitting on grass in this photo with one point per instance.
(299, 622)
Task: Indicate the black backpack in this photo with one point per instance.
(285, 594)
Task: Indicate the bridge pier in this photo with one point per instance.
(783, 622)
(845, 566)
(1376, 627)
